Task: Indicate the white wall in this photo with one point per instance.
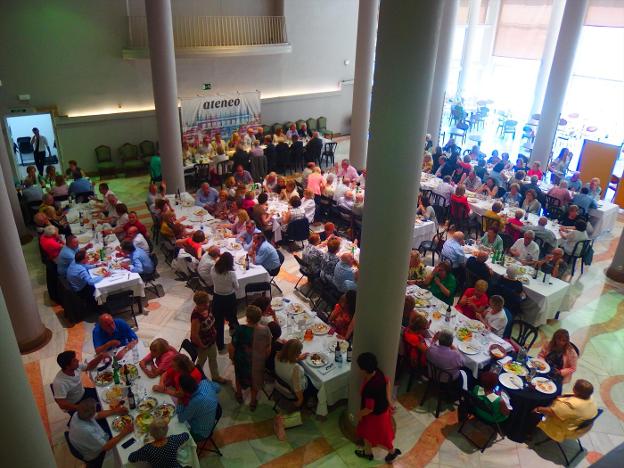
(67, 54)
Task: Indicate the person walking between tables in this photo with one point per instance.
(225, 285)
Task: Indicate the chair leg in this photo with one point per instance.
(438, 405)
(424, 398)
(275, 284)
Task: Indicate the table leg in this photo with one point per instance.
(140, 304)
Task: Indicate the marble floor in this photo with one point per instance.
(595, 321)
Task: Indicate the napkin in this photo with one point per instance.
(327, 369)
(187, 199)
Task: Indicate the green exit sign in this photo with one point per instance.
(207, 86)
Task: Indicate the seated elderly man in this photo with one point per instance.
(574, 182)
(526, 249)
(242, 176)
(138, 240)
(41, 221)
(31, 192)
(584, 200)
(442, 283)
(443, 355)
(47, 200)
(106, 192)
(554, 264)
(68, 254)
(477, 266)
(345, 275)
(561, 193)
(140, 261)
(453, 250)
(542, 231)
(246, 237)
(347, 172)
(111, 333)
(81, 281)
(89, 437)
(199, 405)
(563, 417)
(206, 197)
(264, 254)
(471, 181)
(347, 200)
(67, 385)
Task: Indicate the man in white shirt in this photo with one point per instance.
(106, 192)
(40, 144)
(138, 240)
(339, 190)
(248, 138)
(347, 200)
(445, 189)
(67, 385)
(526, 249)
(90, 438)
(308, 204)
(206, 262)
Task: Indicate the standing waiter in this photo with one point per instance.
(39, 143)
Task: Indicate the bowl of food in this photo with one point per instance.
(114, 395)
(165, 411)
(104, 378)
(463, 334)
(235, 246)
(143, 421)
(147, 404)
(296, 308)
(317, 359)
(497, 351)
(514, 367)
(121, 422)
(133, 372)
(320, 329)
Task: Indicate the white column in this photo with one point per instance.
(15, 283)
(7, 170)
(442, 68)
(363, 81)
(558, 79)
(547, 56)
(395, 110)
(616, 269)
(25, 443)
(164, 83)
(468, 47)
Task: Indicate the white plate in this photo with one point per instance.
(510, 381)
(324, 357)
(550, 385)
(546, 369)
(277, 303)
(295, 308)
(322, 331)
(469, 348)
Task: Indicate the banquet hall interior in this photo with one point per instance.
(393, 230)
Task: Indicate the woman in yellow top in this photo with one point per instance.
(567, 412)
(417, 270)
(234, 140)
(427, 164)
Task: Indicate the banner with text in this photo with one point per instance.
(219, 113)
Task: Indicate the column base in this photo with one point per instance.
(26, 238)
(616, 273)
(37, 343)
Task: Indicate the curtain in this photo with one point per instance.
(605, 13)
(464, 7)
(522, 28)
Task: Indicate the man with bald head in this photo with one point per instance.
(111, 333)
(542, 231)
(526, 249)
(453, 250)
(477, 266)
(554, 264)
(206, 197)
(347, 200)
(138, 240)
(206, 262)
(345, 275)
(68, 254)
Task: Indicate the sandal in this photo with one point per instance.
(391, 456)
(363, 454)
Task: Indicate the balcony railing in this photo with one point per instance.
(214, 31)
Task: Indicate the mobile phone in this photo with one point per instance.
(128, 443)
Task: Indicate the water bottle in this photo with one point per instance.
(522, 354)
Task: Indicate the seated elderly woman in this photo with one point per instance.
(270, 182)
(531, 204)
(312, 256)
(408, 310)
(417, 270)
(513, 197)
(561, 355)
(294, 213)
(289, 191)
(238, 226)
(427, 164)
(159, 359)
(494, 214)
(414, 336)
(498, 411)
(329, 230)
(594, 188)
(163, 450)
(442, 283)
(514, 225)
(426, 210)
(489, 188)
(221, 208)
(569, 219)
(288, 369)
(342, 317)
(474, 300)
(494, 317)
(491, 240)
(561, 193)
(536, 170)
(554, 264)
(562, 418)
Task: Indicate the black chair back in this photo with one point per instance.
(325, 207)
(190, 349)
(507, 240)
(73, 450)
(437, 375)
(553, 208)
(304, 268)
(440, 212)
(589, 422)
(259, 287)
(524, 333)
(298, 230)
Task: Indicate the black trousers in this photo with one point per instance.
(52, 281)
(224, 308)
(40, 161)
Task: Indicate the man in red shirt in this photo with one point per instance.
(133, 220)
(51, 245)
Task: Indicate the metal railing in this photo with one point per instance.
(214, 31)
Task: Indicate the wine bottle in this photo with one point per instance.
(349, 352)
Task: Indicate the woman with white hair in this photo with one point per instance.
(511, 289)
(163, 451)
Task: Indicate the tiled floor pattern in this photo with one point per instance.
(246, 438)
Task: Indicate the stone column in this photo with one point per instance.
(7, 170)
(442, 68)
(558, 79)
(616, 269)
(25, 443)
(468, 47)
(396, 109)
(547, 56)
(15, 283)
(363, 81)
(165, 86)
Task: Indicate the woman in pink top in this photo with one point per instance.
(159, 359)
(561, 355)
(316, 183)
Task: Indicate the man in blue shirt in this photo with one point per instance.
(584, 200)
(344, 275)
(201, 409)
(112, 333)
(574, 181)
(206, 197)
(454, 251)
(140, 262)
(67, 254)
(246, 237)
(80, 185)
(263, 253)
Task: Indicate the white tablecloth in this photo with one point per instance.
(474, 362)
(333, 383)
(117, 282)
(604, 217)
(187, 454)
(424, 230)
(277, 208)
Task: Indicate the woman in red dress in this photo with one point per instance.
(375, 415)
